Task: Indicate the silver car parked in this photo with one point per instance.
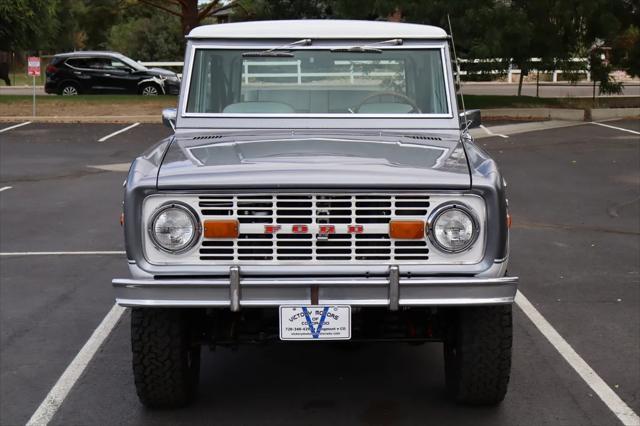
(320, 185)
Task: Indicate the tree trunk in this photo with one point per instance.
(189, 18)
(520, 82)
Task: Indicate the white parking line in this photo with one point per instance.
(65, 383)
(59, 253)
(490, 133)
(5, 188)
(15, 126)
(118, 132)
(624, 413)
(60, 390)
(616, 128)
(116, 167)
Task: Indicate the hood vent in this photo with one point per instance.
(206, 137)
(425, 138)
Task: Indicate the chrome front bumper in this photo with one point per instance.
(392, 291)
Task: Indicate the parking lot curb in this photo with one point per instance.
(563, 114)
(607, 113)
(532, 114)
(535, 114)
(153, 119)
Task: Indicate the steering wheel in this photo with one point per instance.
(408, 100)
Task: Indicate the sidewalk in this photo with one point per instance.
(21, 90)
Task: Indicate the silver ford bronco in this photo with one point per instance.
(320, 184)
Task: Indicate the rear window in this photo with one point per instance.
(77, 62)
(99, 63)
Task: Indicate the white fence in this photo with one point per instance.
(298, 74)
(161, 64)
(511, 72)
(515, 71)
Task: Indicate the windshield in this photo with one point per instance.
(389, 81)
(133, 64)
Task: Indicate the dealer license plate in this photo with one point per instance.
(315, 322)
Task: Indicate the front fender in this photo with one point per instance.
(157, 80)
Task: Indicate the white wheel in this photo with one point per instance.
(150, 90)
(69, 90)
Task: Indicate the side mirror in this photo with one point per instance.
(472, 117)
(169, 117)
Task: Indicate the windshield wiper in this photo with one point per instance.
(276, 51)
(368, 48)
(268, 55)
(357, 49)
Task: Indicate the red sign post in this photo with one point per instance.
(33, 66)
(33, 69)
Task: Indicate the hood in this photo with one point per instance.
(161, 71)
(215, 161)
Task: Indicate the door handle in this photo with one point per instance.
(107, 75)
(77, 72)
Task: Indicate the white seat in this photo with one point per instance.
(258, 108)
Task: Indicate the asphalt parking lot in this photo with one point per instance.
(574, 194)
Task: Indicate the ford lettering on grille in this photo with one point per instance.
(316, 228)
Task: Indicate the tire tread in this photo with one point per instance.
(160, 346)
(483, 364)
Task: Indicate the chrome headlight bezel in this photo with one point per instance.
(438, 212)
(197, 227)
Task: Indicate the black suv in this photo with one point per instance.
(107, 72)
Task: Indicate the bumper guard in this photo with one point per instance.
(392, 291)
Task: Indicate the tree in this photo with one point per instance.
(190, 14)
(626, 51)
(27, 24)
(97, 19)
(281, 9)
(148, 37)
(515, 30)
(623, 36)
(611, 40)
(86, 24)
(601, 73)
(552, 30)
(482, 28)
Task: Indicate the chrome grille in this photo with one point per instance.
(308, 212)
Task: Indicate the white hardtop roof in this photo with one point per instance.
(318, 29)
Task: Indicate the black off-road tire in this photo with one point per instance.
(477, 352)
(166, 364)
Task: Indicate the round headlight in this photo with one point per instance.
(453, 228)
(174, 228)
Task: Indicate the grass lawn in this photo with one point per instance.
(83, 99)
(105, 105)
(22, 79)
(497, 101)
(85, 105)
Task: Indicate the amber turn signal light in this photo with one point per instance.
(406, 229)
(221, 228)
(509, 221)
